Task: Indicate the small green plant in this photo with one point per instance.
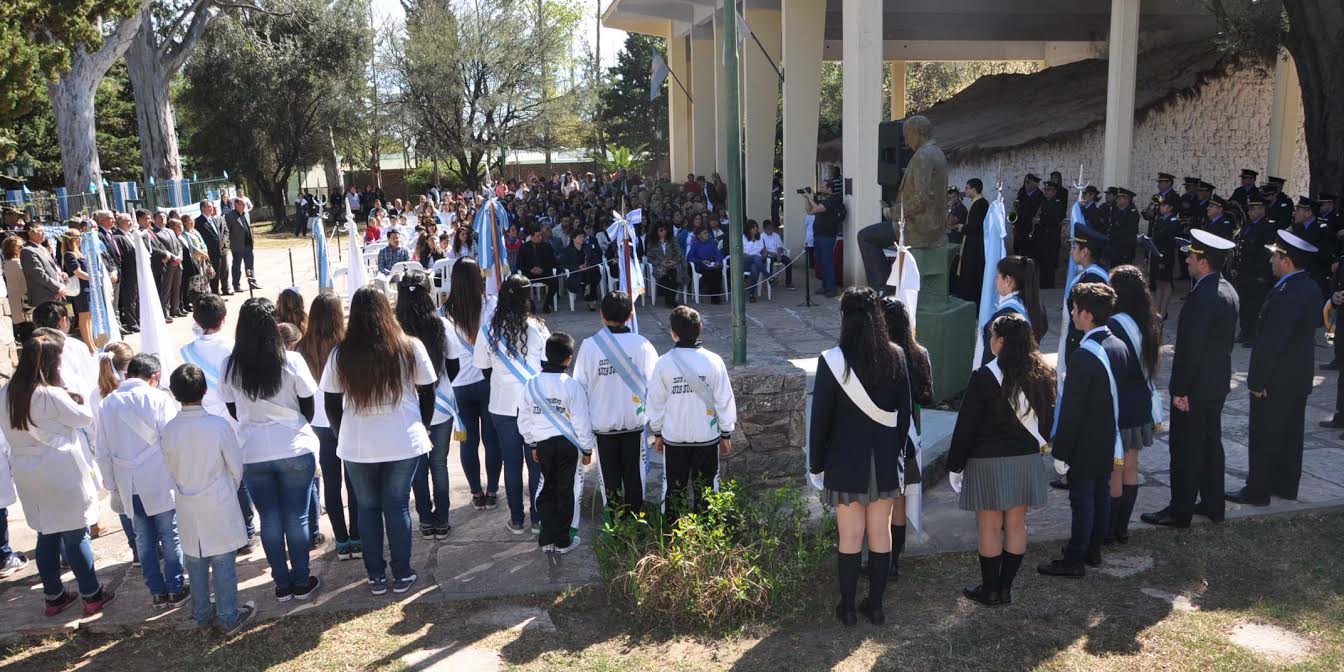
(731, 563)
(618, 157)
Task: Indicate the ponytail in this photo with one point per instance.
(112, 363)
(1023, 271)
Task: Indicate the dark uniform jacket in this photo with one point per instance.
(1085, 436)
(1124, 235)
(1136, 400)
(845, 443)
(1282, 359)
(1164, 230)
(987, 426)
(1075, 336)
(972, 262)
(1252, 259)
(1221, 227)
(1317, 232)
(1202, 366)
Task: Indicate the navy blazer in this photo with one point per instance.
(1201, 368)
(1136, 400)
(1086, 433)
(1283, 357)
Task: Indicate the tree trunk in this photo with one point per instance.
(1312, 39)
(72, 103)
(330, 165)
(153, 107)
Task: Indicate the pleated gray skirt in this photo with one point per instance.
(1001, 483)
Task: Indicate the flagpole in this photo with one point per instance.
(764, 53)
(677, 79)
(734, 170)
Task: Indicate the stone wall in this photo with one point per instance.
(1213, 132)
(771, 422)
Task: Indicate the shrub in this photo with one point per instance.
(730, 564)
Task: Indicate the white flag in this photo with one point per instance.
(357, 276)
(153, 330)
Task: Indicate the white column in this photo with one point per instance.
(1121, 73)
(678, 109)
(702, 108)
(802, 23)
(1285, 118)
(720, 101)
(760, 105)
(861, 23)
(897, 70)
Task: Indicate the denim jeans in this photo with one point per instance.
(384, 491)
(1090, 503)
(225, 584)
(280, 490)
(823, 252)
(515, 455)
(333, 477)
(150, 533)
(472, 403)
(5, 550)
(431, 504)
(245, 503)
(314, 506)
(128, 526)
(78, 552)
(755, 267)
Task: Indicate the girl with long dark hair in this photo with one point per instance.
(420, 319)
(1135, 322)
(994, 460)
(920, 374)
(861, 415)
(1018, 292)
(379, 396)
(511, 346)
(289, 308)
(326, 329)
(269, 391)
(41, 422)
(465, 308)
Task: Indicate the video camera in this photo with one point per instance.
(804, 191)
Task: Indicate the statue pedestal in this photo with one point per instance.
(945, 325)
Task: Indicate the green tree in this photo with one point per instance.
(627, 116)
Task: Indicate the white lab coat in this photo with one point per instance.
(210, 351)
(50, 472)
(8, 495)
(205, 461)
(129, 451)
(79, 374)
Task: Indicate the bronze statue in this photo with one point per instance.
(923, 188)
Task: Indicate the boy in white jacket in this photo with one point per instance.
(202, 454)
(553, 419)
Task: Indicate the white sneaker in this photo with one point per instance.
(12, 564)
(573, 544)
(548, 548)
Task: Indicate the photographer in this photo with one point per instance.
(828, 208)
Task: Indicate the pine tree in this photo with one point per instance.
(628, 117)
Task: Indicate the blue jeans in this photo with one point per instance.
(5, 550)
(472, 403)
(245, 503)
(823, 252)
(225, 582)
(280, 490)
(332, 470)
(432, 504)
(1090, 503)
(150, 533)
(384, 493)
(79, 553)
(314, 507)
(128, 526)
(515, 455)
(755, 267)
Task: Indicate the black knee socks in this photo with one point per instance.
(989, 572)
(1008, 571)
(849, 578)
(878, 566)
(1122, 508)
(897, 545)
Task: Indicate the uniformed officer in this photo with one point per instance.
(1311, 229)
(1124, 231)
(1251, 274)
(1192, 211)
(1162, 257)
(1107, 210)
(1164, 180)
(1049, 219)
(1336, 299)
(1218, 223)
(1280, 376)
(1242, 193)
(1279, 204)
(1330, 215)
(1028, 201)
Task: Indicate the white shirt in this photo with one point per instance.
(444, 386)
(774, 243)
(50, 472)
(676, 413)
(274, 428)
(462, 349)
(611, 403)
(566, 396)
(505, 388)
(205, 461)
(129, 449)
(385, 433)
(210, 351)
(752, 247)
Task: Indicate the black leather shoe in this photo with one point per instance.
(1243, 497)
(1061, 483)
(1093, 558)
(989, 598)
(846, 617)
(1332, 366)
(1063, 568)
(873, 613)
(1332, 423)
(1165, 518)
(1203, 510)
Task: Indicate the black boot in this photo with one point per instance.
(848, 566)
(987, 593)
(1007, 572)
(1124, 509)
(878, 564)
(897, 546)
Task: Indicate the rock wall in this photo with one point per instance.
(771, 422)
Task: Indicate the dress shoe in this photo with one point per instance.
(847, 617)
(1165, 518)
(1243, 497)
(1332, 423)
(1202, 509)
(1332, 366)
(874, 612)
(1092, 559)
(255, 285)
(989, 598)
(1068, 569)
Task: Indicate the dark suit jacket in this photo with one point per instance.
(987, 427)
(213, 232)
(112, 257)
(1202, 366)
(1073, 335)
(1085, 437)
(1282, 359)
(41, 272)
(240, 230)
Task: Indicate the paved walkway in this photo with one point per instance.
(482, 558)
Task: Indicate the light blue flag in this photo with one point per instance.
(323, 266)
(491, 221)
(226, 174)
(100, 289)
(1061, 366)
(996, 230)
(659, 74)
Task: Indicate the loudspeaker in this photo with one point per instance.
(893, 155)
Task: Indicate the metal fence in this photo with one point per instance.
(60, 204)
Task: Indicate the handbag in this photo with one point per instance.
(71, 286)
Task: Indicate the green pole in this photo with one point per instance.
(734, 170)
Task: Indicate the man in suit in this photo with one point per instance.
(215, 234)
(239, 226)
(1086, 437)
(1201, 374)
(536, 259)
(1050, 218)
(166, 257)
(971, 260)
(46, 281)
(112, 252)
(1029, 199)
(1280, 376)
(128, 294)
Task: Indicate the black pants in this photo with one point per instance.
(694, 465)
(128, 305)
(1090, 508)
(559, 461)
(334, 477)
(1197, 459)
(711, 282)
(1339, 357)
(622, 464)
(552, 286)
(1276, 446)
(874, 239)
(584, 283)
(219, 260)
(1251, 295)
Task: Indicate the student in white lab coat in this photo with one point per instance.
(511, 346)
(614, 366)
(466, 309)
(11, 561)
(39, 420)
(79, 369)
(202, 454)
(553, 419)
(112, 363)
(420, 320)
(269, 390)
(132, 459)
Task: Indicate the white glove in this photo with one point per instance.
(817, 481)
(1061, 467)
(954, 479)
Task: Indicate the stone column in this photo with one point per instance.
(861, 22)
(678, 109)
(897, 71)
(802, 23)
(760, 104)
(720, 102)
(1121, 73)
(1285, 118)
(702, 109)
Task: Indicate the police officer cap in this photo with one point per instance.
(1276, 180)
(1247, 172)
(1124, 192)
(1254, 199)
(1089, 189)
(1205, 243)
(1326, 197)
(1307, 202)
(953, 190)
(1165, 177)
(1049, 184)
(1191, 181)
(1218, 201)
(1111, 191)
(1031, 177)
(1089, 237)
(1269, 189)
(1289, 243)
(1205, 186)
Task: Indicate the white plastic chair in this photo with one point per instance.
(564, 287)
(695, 278)
(440, 276)
(538, 286)
(340, 281)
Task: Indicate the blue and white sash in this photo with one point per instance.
(625, 368)
(551, 412)
(1015, 304)
(1100, 353)
(698, 387)
(447, 404)
(1061, 363)
(192, 356)
(519, 368)
(1136, 337)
